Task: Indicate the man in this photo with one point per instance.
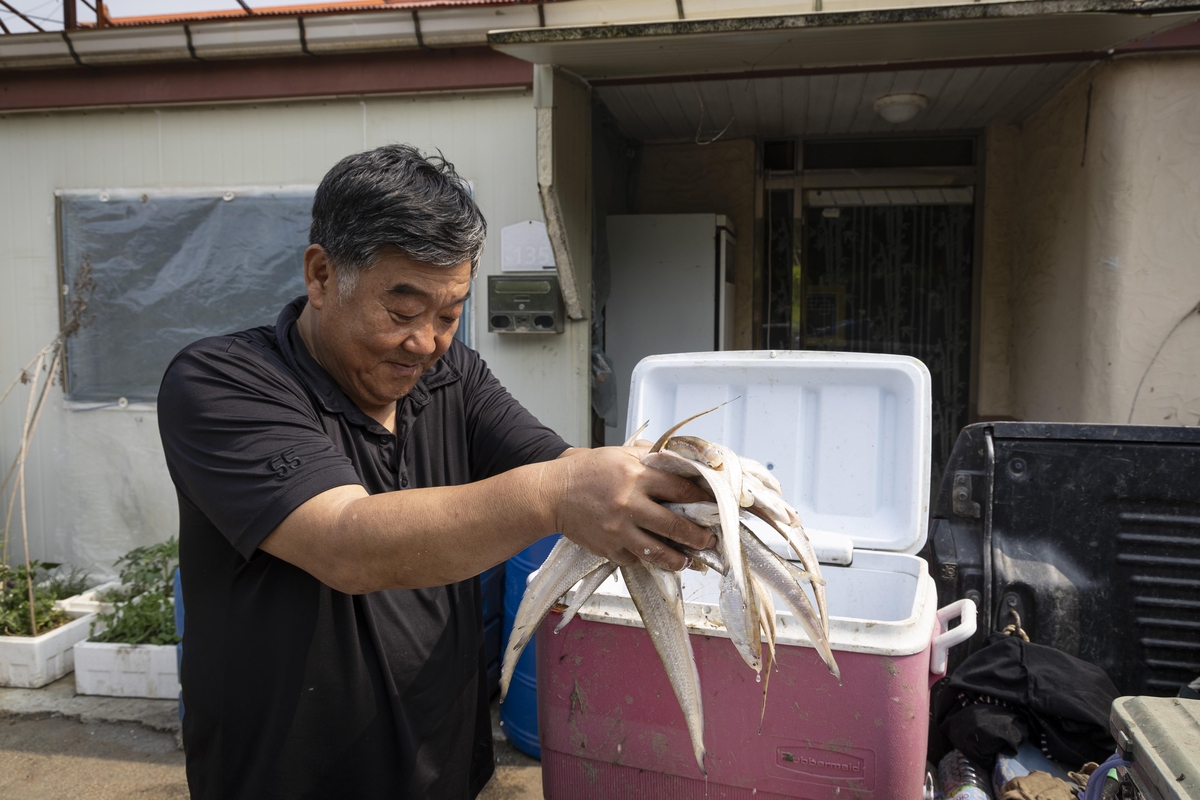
(343, 476)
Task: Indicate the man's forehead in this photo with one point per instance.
(401, 276)
(406, 289)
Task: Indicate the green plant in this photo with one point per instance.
(49, 583)
(142, 610)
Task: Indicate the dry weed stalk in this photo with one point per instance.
(75, 317)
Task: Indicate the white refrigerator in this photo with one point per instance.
(670, 291)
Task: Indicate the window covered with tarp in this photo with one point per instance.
(171, 267)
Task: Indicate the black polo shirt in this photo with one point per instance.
(292, 689)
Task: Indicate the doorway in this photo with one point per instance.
(869, 247)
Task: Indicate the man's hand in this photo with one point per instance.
(606, 502)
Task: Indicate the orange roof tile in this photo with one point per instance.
(305, 9)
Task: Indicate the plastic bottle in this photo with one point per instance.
(959, 779)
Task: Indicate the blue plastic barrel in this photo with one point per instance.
(491, 589)
(518, 712)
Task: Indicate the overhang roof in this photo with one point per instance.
(1032, 28)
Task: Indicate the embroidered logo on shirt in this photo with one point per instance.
(284, 463)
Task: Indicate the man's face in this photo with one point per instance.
(377, 340)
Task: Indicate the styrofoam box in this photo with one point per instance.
(31, 662)
(126, 670)
(847, 435)
(89, 601)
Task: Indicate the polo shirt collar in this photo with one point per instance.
(325, 388)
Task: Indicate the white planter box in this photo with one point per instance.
(89, 602)
(126, 670)
(33, 661)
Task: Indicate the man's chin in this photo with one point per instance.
(399, 389)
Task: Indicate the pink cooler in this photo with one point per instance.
(847, 435)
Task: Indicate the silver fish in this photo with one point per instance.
(662, 440)
(586, 589)
(737, 621)
(667, 582)
(766, 612)
(803, 548)
(672, 463)
(766, 615)
(752, 467)
(773, 572)
(633, 436)
(710, 559)
(727, 509)
(668, 632)
(694, 448)
(563, 568)
(734, 588)
(731, 466)
(703, 513)
(765, 499)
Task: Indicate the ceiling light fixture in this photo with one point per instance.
(896, 108)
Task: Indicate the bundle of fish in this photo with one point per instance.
(750, 571)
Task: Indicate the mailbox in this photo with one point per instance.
(524, 304)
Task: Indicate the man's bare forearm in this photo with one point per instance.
(603, 499)
(357, 543)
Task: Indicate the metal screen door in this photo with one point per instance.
(894, 278)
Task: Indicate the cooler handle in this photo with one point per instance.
(939, 650)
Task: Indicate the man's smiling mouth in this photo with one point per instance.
(406, 369)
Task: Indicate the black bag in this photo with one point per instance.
(1013, 690)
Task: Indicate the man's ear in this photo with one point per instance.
(318, 277)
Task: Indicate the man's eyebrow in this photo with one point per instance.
(409, 289)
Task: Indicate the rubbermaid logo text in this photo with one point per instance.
(832, 764)
(848, 767)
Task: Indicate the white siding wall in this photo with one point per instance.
(97, 481)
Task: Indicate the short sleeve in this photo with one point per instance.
(242, 440)
(502, 434)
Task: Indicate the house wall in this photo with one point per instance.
(97, 480)
(712, 179)
(994, 397)
(1092, 255)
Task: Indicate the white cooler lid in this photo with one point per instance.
(846, 434)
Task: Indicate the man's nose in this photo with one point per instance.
(422, 340)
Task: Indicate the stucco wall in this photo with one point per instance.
(97, 480)
(1099, 251)
(994, 398)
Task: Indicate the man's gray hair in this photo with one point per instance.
(394, 197)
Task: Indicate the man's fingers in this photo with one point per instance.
(656, 519)
(655, 551)
(672, 488)
(622, 557)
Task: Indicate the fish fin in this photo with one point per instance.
(636, 434)
(658, 445)
(770, 662)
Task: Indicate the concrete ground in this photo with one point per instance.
(56, 745)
